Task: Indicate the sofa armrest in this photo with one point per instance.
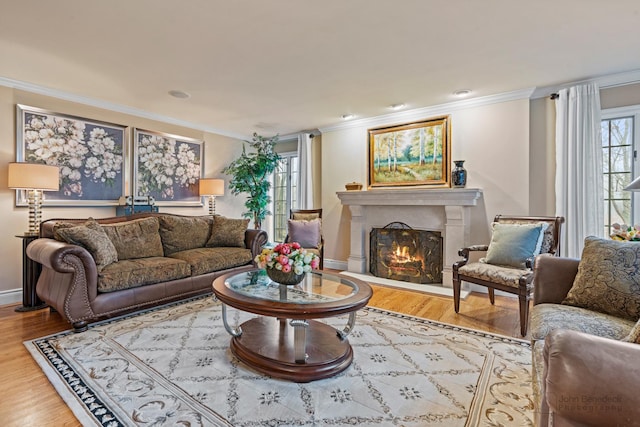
(590, 380)
(69, 278)
(255, 240)
(553, 278)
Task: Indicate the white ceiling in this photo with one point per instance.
(282, 66)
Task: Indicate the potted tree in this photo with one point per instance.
(250, 173)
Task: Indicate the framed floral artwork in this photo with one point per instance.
(411, 154)
(167, 168)
(91, 156)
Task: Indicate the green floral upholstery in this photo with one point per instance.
(134, 273)
(608, 278)
(494, 273)
(206, 260)
(547, 317)
(537, 369)
(634, 334)
(184, 233)
(227, 232)
(139, 238)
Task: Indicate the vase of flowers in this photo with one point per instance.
(287, 263)
(625, 232)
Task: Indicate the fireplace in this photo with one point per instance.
(399, 252)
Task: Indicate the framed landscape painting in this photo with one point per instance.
(411, 154)
(91, 156)
(167, 168)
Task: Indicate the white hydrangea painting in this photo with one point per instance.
(167, 167)
(90, 155)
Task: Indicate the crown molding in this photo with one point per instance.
(610, 80)
(124, 109)
(421, 113)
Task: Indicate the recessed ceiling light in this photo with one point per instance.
(462, 92)
(347, 116)
(179, 94)
(397, 106)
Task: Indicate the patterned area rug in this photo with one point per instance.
(173, 366)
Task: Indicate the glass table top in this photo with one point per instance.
(315, 288)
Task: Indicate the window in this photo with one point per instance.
(619, 156)
(285, 193)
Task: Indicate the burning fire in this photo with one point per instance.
(402, 255)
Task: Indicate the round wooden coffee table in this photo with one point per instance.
(285, 342)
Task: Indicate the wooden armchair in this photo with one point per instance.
(304, 216)
(509, 258)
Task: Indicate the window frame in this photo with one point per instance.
(291, 198)
(633, 112)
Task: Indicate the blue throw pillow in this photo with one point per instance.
(512, 244)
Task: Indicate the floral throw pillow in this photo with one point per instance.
(608, 278)
(92, 237)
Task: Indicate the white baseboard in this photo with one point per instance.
(11, 296)
(335, 264)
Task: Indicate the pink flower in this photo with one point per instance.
(283, 259)
(286, 268)
(315, 263)
(285, 249)
(295, 245)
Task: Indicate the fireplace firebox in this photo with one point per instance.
(399, 252)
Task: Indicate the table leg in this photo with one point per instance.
(300, 340)
(347, 329)
(235, 332)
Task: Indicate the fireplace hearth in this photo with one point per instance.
(399, 252)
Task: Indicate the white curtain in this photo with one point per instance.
(579, 181)
(305, 159)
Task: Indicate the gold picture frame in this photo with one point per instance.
(411, 154)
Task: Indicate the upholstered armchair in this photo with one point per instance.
(305, 227)
(508, 259)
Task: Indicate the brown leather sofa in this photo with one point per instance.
(583, 374)
(74, 285)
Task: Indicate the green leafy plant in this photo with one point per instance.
(250, 173)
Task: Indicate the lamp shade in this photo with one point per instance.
(211, 187)
(634, 186)
(33, 176)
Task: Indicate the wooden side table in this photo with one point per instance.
(30, 273)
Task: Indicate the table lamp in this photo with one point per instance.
(211, 187)
(34, 178)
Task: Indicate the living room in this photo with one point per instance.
(506, 137)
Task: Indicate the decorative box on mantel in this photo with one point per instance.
(437, 209)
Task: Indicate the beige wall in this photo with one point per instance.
(219, 150)
(492, 139)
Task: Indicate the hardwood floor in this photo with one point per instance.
(28, 399)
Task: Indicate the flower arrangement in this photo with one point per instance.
(288, 257)
(625, 232)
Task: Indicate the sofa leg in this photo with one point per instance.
(80, 326)
(524, 314)
(492, 296)
(456, 295)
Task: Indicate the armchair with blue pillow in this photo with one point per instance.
(507, 264)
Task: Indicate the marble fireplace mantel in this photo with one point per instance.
(438, 209)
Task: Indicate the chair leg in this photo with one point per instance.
(524, 314)
(492, 296)
(456, 295)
